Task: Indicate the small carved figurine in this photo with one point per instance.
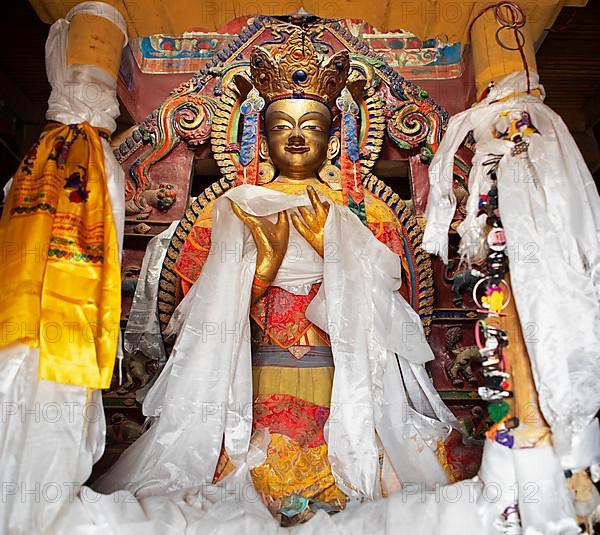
(459, 368)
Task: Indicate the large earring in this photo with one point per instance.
(266, 169)
(328, 172)
(331, 175)
(266, 172)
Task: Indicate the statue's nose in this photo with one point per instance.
(296, 137)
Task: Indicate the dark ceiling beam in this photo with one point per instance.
(591, 110)
(16, 100)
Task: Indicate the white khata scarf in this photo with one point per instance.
(205, 390)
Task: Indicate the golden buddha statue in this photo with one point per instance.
(341, 403)
(292, 361)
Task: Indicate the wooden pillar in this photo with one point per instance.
(533, 429)
(95, 40)
(491, 60)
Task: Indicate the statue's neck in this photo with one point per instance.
(304, 181)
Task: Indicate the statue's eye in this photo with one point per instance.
(312, 126)
(281, 126)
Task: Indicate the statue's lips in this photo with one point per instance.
(296, 150)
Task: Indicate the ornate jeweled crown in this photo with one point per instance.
(297, 69)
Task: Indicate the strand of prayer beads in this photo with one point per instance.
(492, 294)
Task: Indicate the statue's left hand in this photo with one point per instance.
(271, 241)
(312, 225)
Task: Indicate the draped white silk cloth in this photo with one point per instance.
(205, 391)
(50, 436)
(162, 467)
(142, 332)
(550, 210)
(50, 433)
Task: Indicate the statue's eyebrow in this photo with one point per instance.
(312, 115)
(277, 114)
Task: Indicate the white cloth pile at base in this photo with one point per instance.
(530, 478)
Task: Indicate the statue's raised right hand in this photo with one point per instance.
(271, 241)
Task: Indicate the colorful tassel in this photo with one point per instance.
(249, 157)
(352, 189)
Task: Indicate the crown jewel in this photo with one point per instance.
(297, 69)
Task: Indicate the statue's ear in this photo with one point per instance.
(263, 149)
(357, 88)
(333, 147)
(244, 86)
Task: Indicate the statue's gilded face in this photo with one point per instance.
(297, 136)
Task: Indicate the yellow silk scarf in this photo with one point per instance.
(59, 268)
